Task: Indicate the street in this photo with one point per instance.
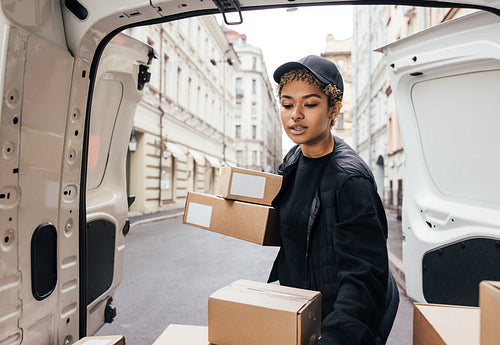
(171, 269)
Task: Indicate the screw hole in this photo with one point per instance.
(67, 320)
(76, 133)
(15, 120)
(8, 149)
(6, 239)
(11, 97)
(10, 219)
(452, 219)
(70, 211)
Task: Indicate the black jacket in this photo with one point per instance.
(346, 247)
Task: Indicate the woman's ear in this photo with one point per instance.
(335, 110)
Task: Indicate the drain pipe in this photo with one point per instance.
(162, 112)
(355, 83)
(370, 8)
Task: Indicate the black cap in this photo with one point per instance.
(323, 69)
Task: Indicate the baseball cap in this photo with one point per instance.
(323, 69)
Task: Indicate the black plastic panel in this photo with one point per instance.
(451, 275)
(43, 261)
(77, 9)
(100, 258)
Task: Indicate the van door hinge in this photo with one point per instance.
(226, 6)
(144, 76)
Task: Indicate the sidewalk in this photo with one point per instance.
(394, 242)
(155, 217)
(394, 245)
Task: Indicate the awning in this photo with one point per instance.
(176, 150)
(214, 162)
(198, 157)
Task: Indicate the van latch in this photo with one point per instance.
(226, 6)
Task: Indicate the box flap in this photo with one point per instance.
(286, 290)
(455, 325)
(260, 298)
(183, 334)
(493, 284)
(489, 304)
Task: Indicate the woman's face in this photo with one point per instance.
(306, 116)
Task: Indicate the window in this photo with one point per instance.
(167, 178)
(238, 86)
(237, 110)
(254, 86)
(254, 158)
(179, 84)
(340, 121)
(254, 63)
(254, 132)
(254, 110)
(189, 96)
(165, 72)
(237, 133)
(340, 66)
(239, 158)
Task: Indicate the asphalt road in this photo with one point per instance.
(171, 269)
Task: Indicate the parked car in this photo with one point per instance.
(70, 83)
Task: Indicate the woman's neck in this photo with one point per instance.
(318, 150)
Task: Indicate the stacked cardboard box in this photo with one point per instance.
(249, 313)
(435, 324)
(241, 210)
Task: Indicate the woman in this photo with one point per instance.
(333, 223)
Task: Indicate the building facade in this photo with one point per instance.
(339, 51)
(376, 134)
(257, 126)
(183, 128)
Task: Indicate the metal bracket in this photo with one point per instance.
(229, 6)
(144, 76)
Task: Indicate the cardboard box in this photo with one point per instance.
(489, 304)
(435, 324)
(183, 335)
(248, 185)
(249, 313)
(250, 222)
(102, 340)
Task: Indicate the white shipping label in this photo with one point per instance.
(199, 214)
(248, 185)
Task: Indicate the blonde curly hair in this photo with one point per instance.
(333, 93)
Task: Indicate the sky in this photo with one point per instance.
(288, 36)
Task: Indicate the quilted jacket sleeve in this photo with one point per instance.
(361, 256)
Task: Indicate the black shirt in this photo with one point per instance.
(296, 206)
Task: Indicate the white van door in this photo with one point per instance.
(446, 81)
(49, 268)
(119, 84)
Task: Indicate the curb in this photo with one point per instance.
(397, 269)
(155, 219)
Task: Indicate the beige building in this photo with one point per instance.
(339, 51)
(257, 126)
(183, 128)
(376, 134)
